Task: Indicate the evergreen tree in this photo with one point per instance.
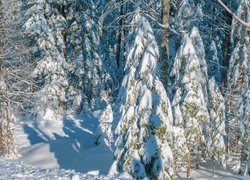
(45, 27)
(84, 45)
(215, 137)
(238, 72)
(243, 117)
(189, 102)
(200, 52)
(144, 112)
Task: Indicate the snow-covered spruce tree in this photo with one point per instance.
(238, 72)
(84, 49)
(144, 112)
(45, 27)
(200, 52)
(216, 128)
(243, 117)
(189, 104)
(7, 140)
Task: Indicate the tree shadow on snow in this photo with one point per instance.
(78, 151)
(73, 149)
(33, 135)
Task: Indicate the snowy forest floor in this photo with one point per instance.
(46, 149)
(68, 145)
(13, 169)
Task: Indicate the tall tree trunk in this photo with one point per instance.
(188, 163)
(165, 42)
(120, 34)
(213, 166)
(188, 167)
(1, 37)
(64, 31)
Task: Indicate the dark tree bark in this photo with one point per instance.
(1, 37)
(165, 41)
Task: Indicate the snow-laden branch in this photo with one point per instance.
(235, 16)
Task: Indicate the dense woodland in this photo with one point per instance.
(171, 75)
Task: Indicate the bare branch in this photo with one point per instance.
(235, 16)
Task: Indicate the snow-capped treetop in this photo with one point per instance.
(186, 50)
(197, 42)
(143, 37)
(187, 65)
(200, 50)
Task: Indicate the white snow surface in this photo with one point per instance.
(71, 153)
(70, 145)
(13, 169)
(205, 173)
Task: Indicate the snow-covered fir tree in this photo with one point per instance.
(238, 72)
(144, 112)
(243, 117)
(189, 104)
(45, 27)
(200, 52)
(84, 45)
(216, 127)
